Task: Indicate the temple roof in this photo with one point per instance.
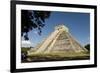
(61, 27)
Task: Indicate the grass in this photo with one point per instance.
(24, 49)
(61, 54)
(57, 56)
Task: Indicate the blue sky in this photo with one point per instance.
(78, 24)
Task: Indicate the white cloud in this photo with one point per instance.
(26, 43)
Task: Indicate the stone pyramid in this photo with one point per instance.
(59, 41)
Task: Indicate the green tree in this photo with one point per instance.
(87, 47)
(32, 20)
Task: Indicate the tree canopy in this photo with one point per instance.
(32, 20)
(87, 47)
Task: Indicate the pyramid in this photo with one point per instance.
(59, 41)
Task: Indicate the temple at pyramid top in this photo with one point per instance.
(61, 27)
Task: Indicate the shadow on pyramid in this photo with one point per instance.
(58, 46)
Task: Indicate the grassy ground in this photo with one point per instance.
(56, 57)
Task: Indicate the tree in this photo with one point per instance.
(32, 20)
(87, 47)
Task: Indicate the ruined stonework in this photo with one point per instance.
(58, 42)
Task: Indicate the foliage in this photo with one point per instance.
(32, 20)
(87, 47)
(24, 50)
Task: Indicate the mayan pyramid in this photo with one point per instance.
(59, 41)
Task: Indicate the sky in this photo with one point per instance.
(78, 24)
